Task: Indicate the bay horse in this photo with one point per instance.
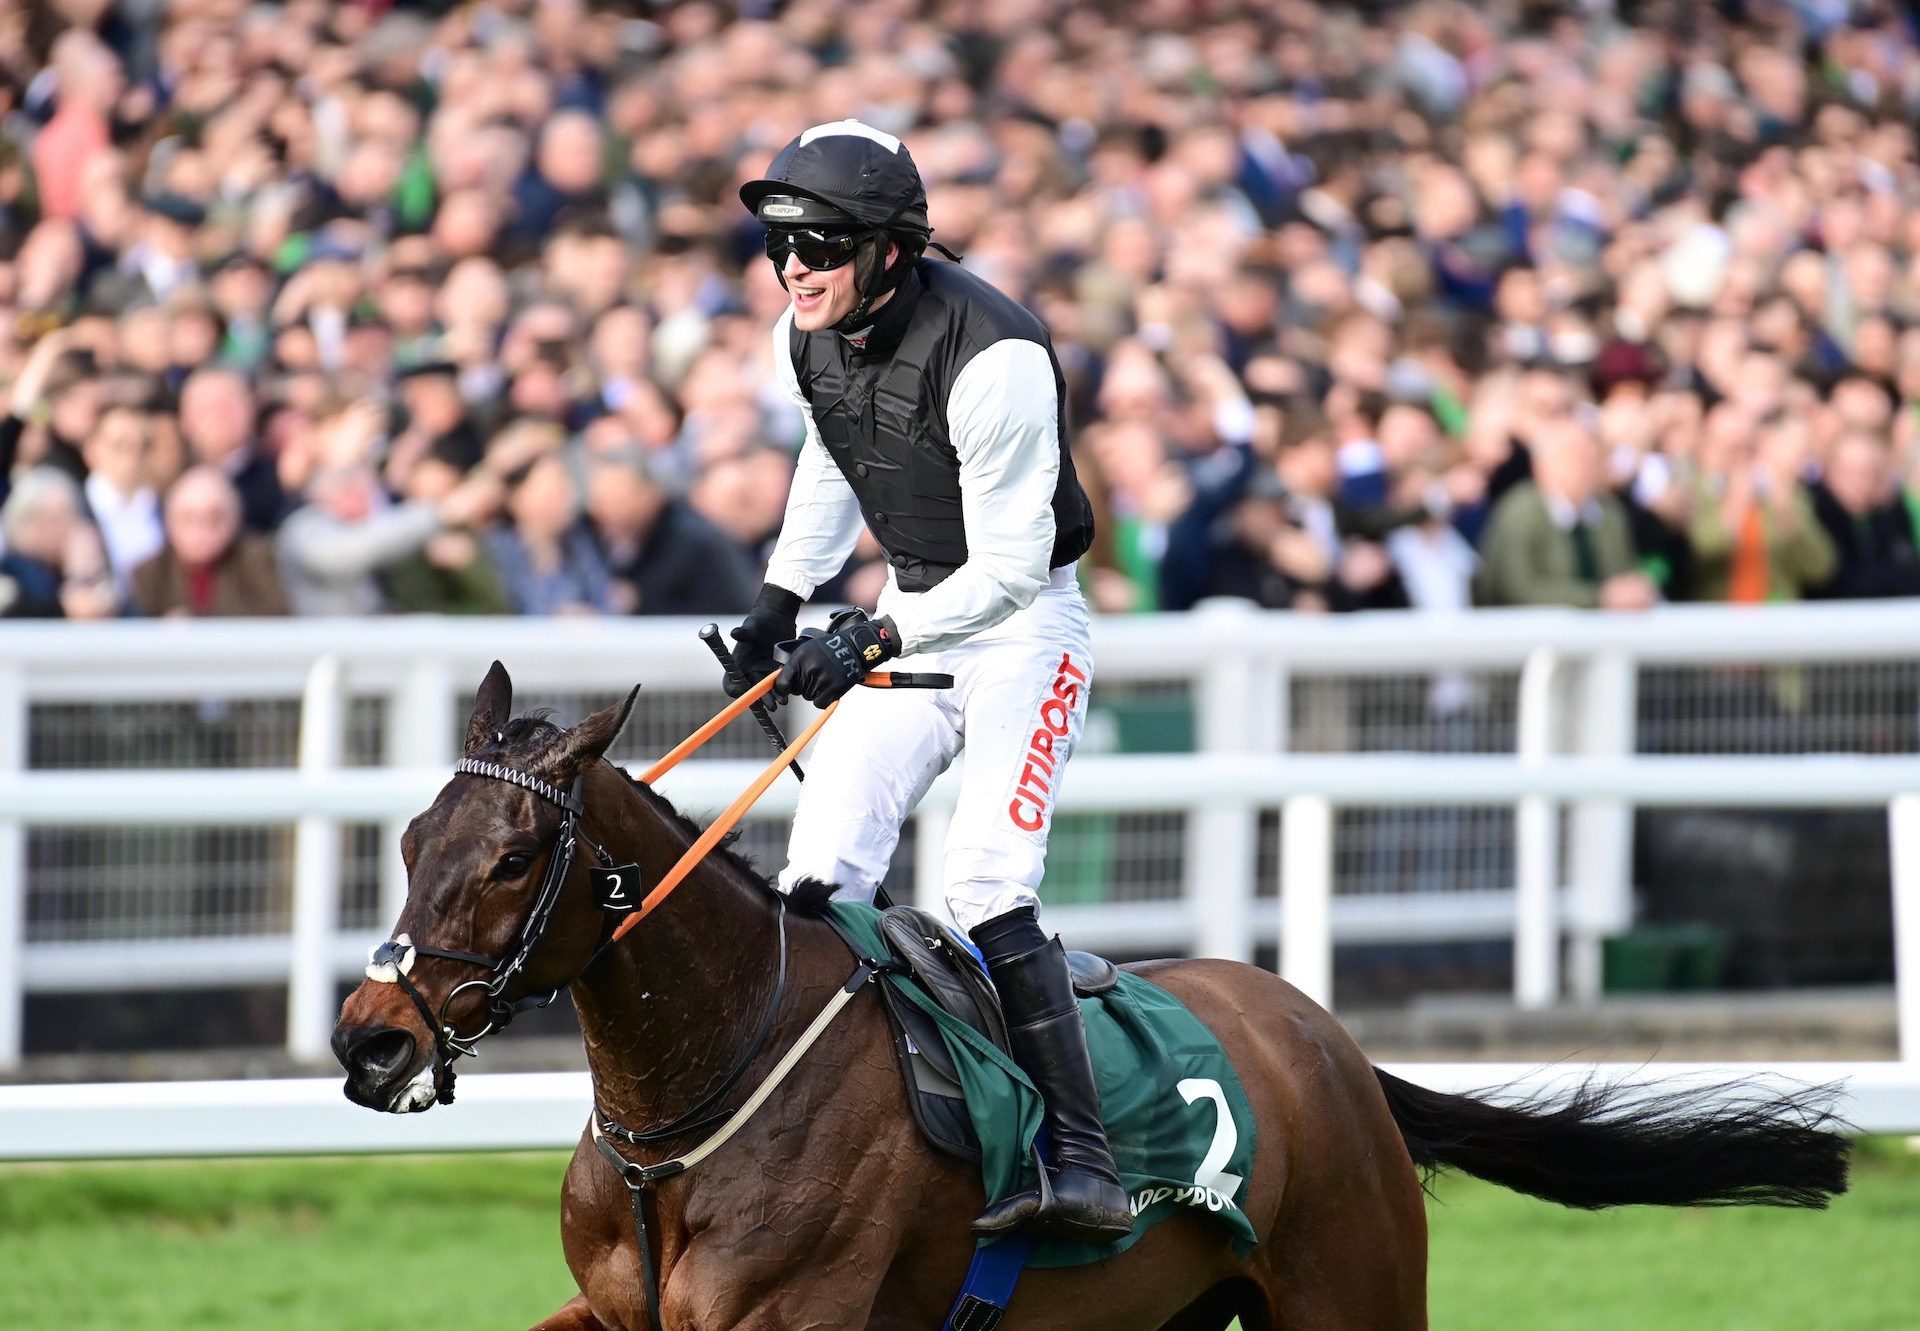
(827, 1210)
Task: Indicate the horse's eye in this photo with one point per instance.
(512, 866)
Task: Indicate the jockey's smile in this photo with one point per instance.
(823, 297)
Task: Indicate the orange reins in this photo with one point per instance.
(722, 825)
(707, 840)
(710, 729)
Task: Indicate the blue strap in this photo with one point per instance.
(988, 1288)
(996, 1266)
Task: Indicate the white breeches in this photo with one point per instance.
(1017, 706)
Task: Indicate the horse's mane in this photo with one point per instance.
(809, 897)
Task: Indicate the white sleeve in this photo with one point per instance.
(823, 518)
(1003, 418)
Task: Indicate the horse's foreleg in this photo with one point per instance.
(576, 1316)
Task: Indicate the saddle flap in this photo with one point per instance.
(934, 1095)
(942, 963)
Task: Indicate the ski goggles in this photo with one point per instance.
(821, 251)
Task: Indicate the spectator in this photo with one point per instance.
(1755, 536)
(89, 81)
(162, 263)
(73, 395)
(54, 565)
(119, 499)
(567, 172)
(547, 557)
(1434, 563)
(217, 422)
(210, 565)
(437, 424)
(743, 495)
(334, 549)
(29, 585)
(24, 399)
(665, 558)
(1561, 539)
(1870, 526)
(453, 573)
(1297, 543)
(1189, 569)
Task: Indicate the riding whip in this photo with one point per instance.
(710, 635)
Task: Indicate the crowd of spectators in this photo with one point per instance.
(341, 308)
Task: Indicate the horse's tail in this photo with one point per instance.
(1607, 1144)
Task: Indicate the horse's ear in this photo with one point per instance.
(492, 708)
(587, 742)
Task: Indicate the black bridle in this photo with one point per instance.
(617, 891)
(616, 888)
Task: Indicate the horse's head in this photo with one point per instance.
(497, 911)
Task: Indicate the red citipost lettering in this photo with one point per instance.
(1033, 796)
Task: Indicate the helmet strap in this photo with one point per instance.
(873, 276)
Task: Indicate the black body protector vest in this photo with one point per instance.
(881, 409)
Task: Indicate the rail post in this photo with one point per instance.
(1600, 832)
(14, 718)
(1222, 839)
(1903, 817)
(1306, 896)
(420, 733)
(1536, 856)
(316, 869)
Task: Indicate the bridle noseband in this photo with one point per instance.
(616, 889)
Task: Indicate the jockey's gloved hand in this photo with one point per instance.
(768, 624)
(821, 667)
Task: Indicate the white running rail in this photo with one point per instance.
(548, 1110)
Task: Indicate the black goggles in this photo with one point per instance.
(821, 251)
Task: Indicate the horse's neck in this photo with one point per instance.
(665, 1013)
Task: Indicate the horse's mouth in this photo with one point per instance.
(412, 1096)
(381, 1072)
(417, 1095)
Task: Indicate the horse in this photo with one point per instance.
(825, 1208)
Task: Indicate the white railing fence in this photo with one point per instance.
(1282, 722)
(522, 1111)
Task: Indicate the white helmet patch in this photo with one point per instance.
(857, 128)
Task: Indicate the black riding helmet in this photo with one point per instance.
(848, 179)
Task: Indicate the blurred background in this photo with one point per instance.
(1503, 422)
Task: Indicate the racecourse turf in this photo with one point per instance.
(473, 1242)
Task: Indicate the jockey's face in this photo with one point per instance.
(823, 299)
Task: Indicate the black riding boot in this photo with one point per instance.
(1081, 1200)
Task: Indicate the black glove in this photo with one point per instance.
(767, 625)
(823, 666)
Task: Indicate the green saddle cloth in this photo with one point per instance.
(1177, 1118)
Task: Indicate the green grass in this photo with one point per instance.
(1504, 1261)
(450, 1241)
(473, 1242)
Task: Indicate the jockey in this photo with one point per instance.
(936, 412)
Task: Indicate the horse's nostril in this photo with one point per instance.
(382, 1055)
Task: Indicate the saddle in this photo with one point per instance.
(953, 977)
